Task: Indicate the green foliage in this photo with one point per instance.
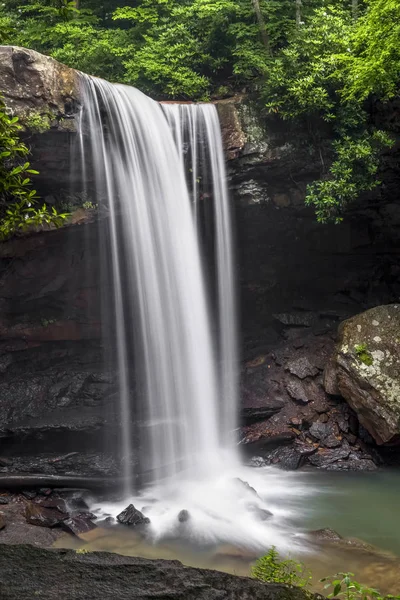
(274, 569)
(37, 123)
(353, 170)
(28, 215)
(88, 205)
(14, 169)
(313, 63)
(374, 66)
(363, 354)
(18, 201)
(306, 81)
(343, 586)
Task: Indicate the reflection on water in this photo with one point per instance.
(362, 506)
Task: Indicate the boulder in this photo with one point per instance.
(43, 517)
(79, 524)
(32, 83)
(132, 516)
(365, 369)
(183, 516)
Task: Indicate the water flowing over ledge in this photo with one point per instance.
(160, 173)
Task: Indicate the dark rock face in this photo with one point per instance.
(56, 398)
(312, 427)
(132, 516)
(66, 574)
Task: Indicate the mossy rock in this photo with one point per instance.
(366, 370)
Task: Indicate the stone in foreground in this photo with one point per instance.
(366, 370)
(52, 575)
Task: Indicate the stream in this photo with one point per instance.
(346, 502)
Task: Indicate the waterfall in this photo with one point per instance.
(165, 352)
(157, 173)
(198, 138)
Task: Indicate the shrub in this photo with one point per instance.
(274, 569)
(19, 210)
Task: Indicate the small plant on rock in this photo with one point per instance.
(19, 209)
(345, 587)
(271, 568)
(363, 354)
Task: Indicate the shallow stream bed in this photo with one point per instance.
(355, 505)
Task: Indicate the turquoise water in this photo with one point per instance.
(362, 505)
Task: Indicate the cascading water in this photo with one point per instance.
(157, 169)
(198, 139)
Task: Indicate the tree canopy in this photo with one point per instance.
(301, 59)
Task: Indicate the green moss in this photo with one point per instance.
(36, 122)
(364, 354)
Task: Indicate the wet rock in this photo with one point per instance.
(323, 458)
(244, 486)
(262, 514)
(301, 367)
(330, 381)
(6, 462)
(297, 391)
(53, 502)
(306, 449)
(78, 524)
(43, 517)
(5, 499)
(183, 516)
(331, 537)
(295, 319)
(45, 491)
(352, 465)
(257, 462)
(325, 534)
(77, 500)
(331, 441)
(29, 494)
(266, 443)
(326, 432)
(287, 458)
(132, 516)
(319, 430)
(252, 415)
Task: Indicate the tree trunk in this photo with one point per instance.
(354, 9)
(299, 4)
(262, 25)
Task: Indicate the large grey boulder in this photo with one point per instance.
(34, 85)
(365, 370)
